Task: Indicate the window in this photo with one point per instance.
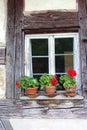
(51, 53)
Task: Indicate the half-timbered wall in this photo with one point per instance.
(20, 23)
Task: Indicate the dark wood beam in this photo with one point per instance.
(50, 20)
(14, 46)
(82, 16)
(10, 53)
(19, 45)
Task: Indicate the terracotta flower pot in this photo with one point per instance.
(70, 92)
(31, 91)
(50, 89)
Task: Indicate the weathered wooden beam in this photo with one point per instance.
(14, 46)
(82, 16)
(10, 53)
(51, 30)
(19, 45)
(50, 19)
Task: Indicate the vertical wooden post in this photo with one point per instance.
(18, 42)
(82, 15)
(83, 30)
(14, 46)
(10, 50)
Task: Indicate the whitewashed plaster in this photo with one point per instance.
(31, 5)
(3, 19)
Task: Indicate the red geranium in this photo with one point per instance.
(54, 80)
(17, 84)
(72, 73)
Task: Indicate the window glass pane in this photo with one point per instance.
(63, 63)
(39, 47)
(63, 45)
(40, 65)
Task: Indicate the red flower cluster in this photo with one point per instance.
(54, 80)
(72, 73)
(17, 84)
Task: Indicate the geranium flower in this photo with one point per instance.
(54, 81)
(17, 84)
(72, 73)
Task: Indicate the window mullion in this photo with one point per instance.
(51, 55)
(31, 66)
(76, 60)
(27, 69)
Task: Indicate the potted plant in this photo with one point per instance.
(69, 82)
(30, 84)
(48, 82)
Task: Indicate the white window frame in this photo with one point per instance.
(51, 46)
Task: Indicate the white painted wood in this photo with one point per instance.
(77, 66)
(51, 55)
(27, 68)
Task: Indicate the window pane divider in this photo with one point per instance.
(64, 54)
(38, 73)
(51, 47)
(39, 56)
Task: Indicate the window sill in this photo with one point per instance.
(57, 97)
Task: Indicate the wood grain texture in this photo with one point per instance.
(31, 110)
(50, 19)
(18, 42)
(82, 16)
(14, 46)
(10, 53)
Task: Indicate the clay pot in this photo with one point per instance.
(50, 89)
(31, 91)
(70, 92)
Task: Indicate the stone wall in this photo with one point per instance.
(3, 20)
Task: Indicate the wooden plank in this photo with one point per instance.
(82, 16)
(10, 109)
(18, 42)
(51, 30)
(50, 19)
(14, 46)
(10, 53)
